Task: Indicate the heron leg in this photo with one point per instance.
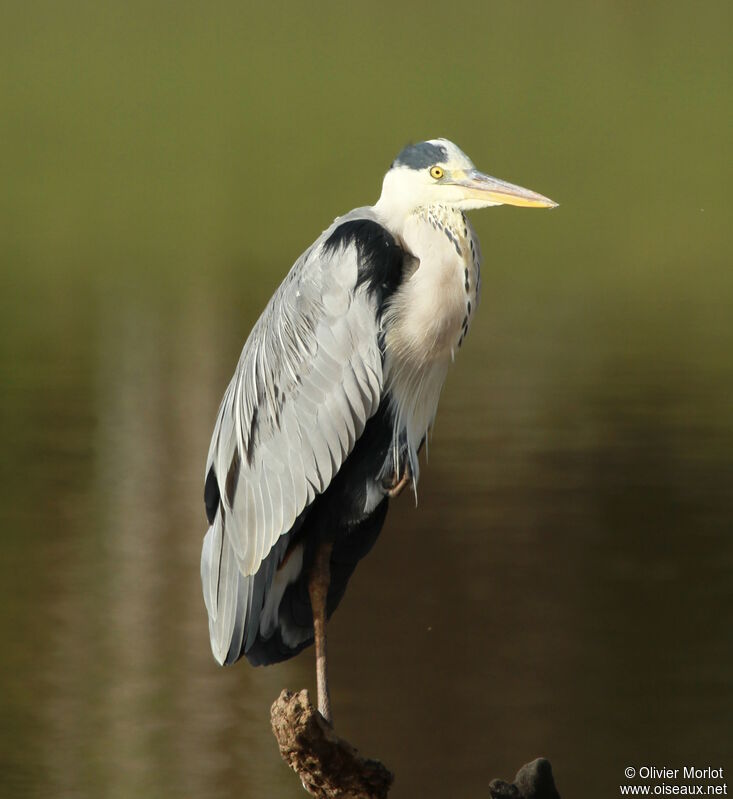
(318, 590)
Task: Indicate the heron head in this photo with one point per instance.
(438, 172)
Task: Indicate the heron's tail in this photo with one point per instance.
(234, 601)
(227, 592)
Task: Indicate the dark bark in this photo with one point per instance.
(327, 765)
(330, 767)
(533, 781)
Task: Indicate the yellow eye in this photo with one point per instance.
(436, 172)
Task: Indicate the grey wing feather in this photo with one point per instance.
(309, 378)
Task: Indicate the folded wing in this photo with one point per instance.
(308, 379)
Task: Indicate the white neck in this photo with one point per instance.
(428, 316)
(397, 200)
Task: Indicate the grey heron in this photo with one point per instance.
(331, 401)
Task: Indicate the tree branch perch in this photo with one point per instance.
(330, 767)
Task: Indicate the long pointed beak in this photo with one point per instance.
(488, 189)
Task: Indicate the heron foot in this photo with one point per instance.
(397, 486)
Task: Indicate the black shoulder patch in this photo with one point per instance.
(211, 495)
(381, 259)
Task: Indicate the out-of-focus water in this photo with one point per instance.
(564, 586)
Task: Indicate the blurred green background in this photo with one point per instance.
(563, 588)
